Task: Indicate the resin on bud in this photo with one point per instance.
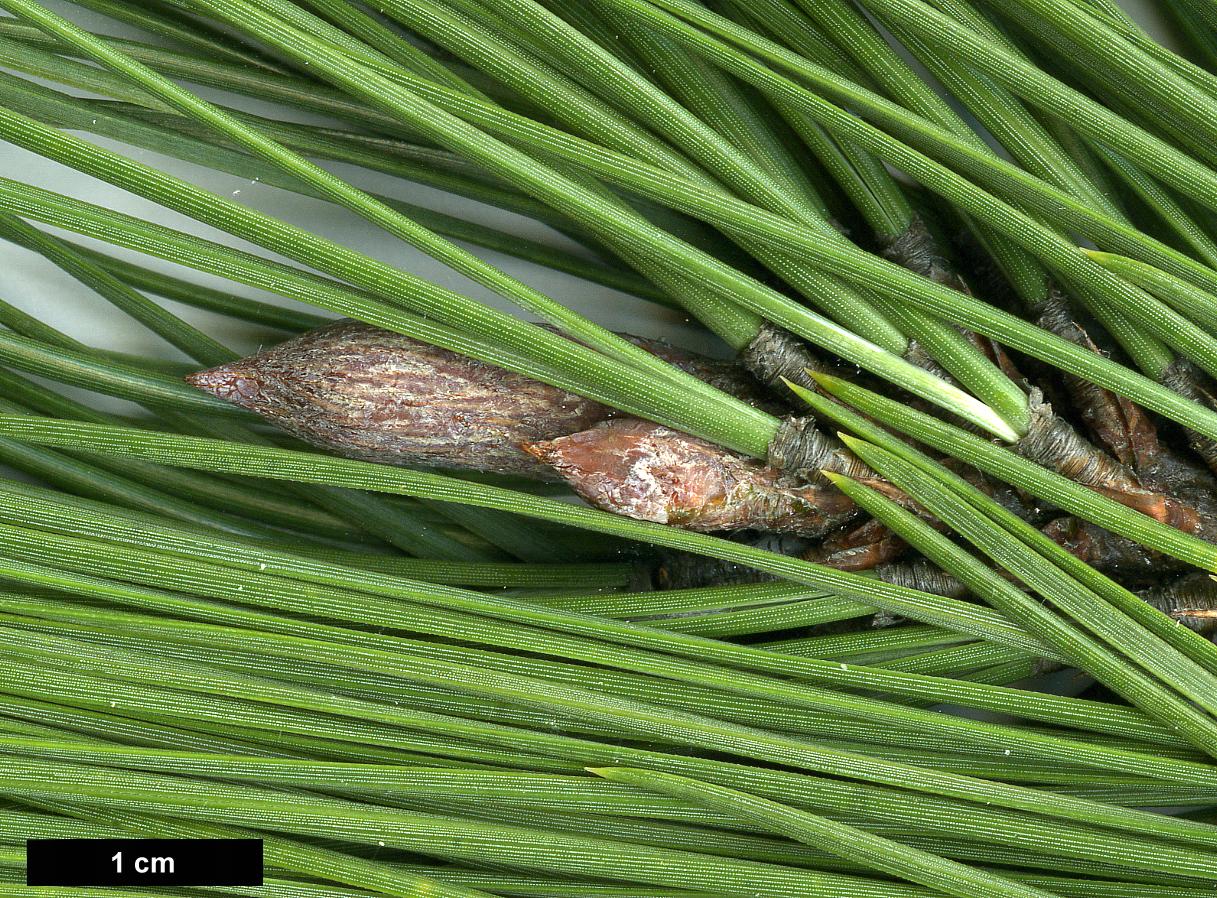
(649, 472)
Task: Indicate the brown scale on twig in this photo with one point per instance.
(1109, 552)
(1052, 441)
(1115, 554)
(1140, 472)
(1130, 436)
(680, 570)
(775, 355)
(871, 544)
(867, 546)
(862, 548)
(854, 547)
(1127, 474)
(1131, 475)
(1119, 426)
(646, 471)
(1185, 379)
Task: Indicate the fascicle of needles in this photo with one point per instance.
(343, 595)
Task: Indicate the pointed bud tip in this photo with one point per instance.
(851, 441)
(233, 383)
(207, 381)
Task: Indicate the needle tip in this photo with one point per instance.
(833, 477)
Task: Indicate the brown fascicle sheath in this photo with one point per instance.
(1191, 600)
(1117, 424)
(1186, 379)
(1052, 441)
(917, 249)
(923, 576)
(775, 355)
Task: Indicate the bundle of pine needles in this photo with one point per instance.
(903, 589)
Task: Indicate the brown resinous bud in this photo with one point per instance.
(651, 473)
(375, 395)
(372, 394)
